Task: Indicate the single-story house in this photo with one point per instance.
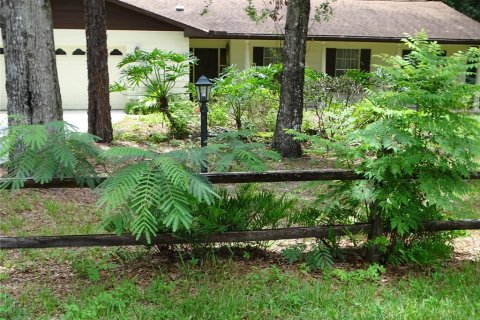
(225, 35)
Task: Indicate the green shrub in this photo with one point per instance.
(411, 127)
(249, 95)
(138, 107)
(248, 209)
(218, 114)
(183, 111)
(330, 103)
(43, 152)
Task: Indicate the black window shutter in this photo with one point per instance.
(258, 56)
(406, 53)
(365, 57)
(330, 61)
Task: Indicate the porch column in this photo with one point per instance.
(248, 60)
(399, 50)
(323, 49)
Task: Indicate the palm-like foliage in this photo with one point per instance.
(156, 72)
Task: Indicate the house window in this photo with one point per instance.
(471, 78)
(272, 56)
(1, 50)
(116, 52)
(339, 61)
(263, 56)
(346, 59)
(78, 52)
(60, 52)
(222, 59)
(211, 62)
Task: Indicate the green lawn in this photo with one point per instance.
(134, 283)
(235, 291)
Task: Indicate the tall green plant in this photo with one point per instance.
(249, 94)
(416, 144)
(156, 72)
(420, 131)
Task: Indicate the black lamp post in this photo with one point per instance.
(203, 87)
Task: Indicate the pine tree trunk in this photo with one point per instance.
(290, 114)
(99, 109)
(32, 86)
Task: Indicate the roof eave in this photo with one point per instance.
(250, 36)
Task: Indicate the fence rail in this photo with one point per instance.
(37, 242)
(235, 177)
(108, 240)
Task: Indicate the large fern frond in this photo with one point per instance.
(43, 152)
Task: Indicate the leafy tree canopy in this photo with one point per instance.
(470, 8)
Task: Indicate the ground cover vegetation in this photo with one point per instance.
(391, 126)
(242, 282)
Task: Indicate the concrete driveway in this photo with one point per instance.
(78, 118)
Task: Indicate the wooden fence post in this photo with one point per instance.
(372, 253)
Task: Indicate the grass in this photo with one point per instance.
(471, 206)
(228, 291)
(135, 283)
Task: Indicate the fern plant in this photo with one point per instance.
(43, 152)
(144, 192)
(151, 192)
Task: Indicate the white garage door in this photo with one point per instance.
(72, 74)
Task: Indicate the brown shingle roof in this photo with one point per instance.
(375, 20)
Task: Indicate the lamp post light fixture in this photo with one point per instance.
(203, 87)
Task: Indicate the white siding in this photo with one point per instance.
(315, 50)
(72, 70)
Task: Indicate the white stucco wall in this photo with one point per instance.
(72, 70)
(315, 57)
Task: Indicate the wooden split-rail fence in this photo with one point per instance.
(373, 229)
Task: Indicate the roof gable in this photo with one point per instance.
(69, 14)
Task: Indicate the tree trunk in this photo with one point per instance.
(99, 109)
(290, 114)
(32, 86)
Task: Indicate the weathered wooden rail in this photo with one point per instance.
(236, 177)
(109, 240)
(37, 242)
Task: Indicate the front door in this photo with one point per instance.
(207, 64)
